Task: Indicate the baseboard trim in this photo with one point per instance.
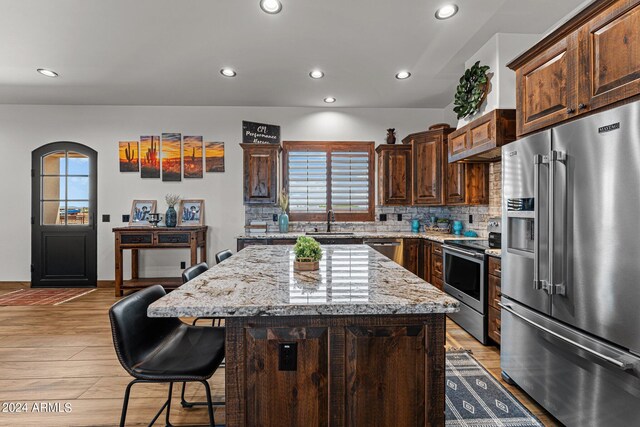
(26, 285)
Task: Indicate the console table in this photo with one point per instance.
(137, 238)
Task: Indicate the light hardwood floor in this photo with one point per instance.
(64, 354)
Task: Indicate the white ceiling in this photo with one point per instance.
(169, 52)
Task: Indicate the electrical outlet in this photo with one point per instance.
(470, 219)
(399, 217)
(275, 217)
(383, 217)
(125, 218)
(183, 265)
(106, 218)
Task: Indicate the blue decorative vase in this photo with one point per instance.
(415, 225)
(171, 217)
(457, 227)
(283, 222)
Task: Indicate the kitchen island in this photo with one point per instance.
(358, 343)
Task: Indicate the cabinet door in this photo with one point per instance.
(427, 164)
(455, 187)
(395, 176)
(610, 56)
(411, 248)
(424, 260)
(260, 175)
(547, 86)
(477, 184)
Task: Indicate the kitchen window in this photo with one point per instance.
(323, 176)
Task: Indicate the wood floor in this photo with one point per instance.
(64, 354)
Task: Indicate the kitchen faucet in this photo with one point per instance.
(330, 217)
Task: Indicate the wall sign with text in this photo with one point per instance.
(260, 133)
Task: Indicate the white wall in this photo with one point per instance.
(24, 128)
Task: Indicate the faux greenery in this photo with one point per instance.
(284, 200)
(443, 220)
(172, 199)
(307, 249)
(471, 90)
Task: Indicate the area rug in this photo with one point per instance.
(475, 399)
(42, 296)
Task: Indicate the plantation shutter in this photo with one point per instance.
(320, 176)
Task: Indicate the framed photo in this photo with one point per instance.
(191, 212)
(140, 210)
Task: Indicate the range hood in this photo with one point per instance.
(480, 140)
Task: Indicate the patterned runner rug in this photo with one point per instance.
(475, 399)
(42, 296)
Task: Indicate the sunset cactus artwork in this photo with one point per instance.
(171, 157)
(214, 152)
(150, 156)
(192, 156)
(129, 156)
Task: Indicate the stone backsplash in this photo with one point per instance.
(480, 214)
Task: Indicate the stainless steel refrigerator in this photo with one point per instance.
(571, 268)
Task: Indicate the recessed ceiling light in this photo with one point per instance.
(48, 73)
(316, 74)
(271, 6)
(403, 75)
(446, 11)
(228, 72)
(329, 100)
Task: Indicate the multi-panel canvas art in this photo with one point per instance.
(214, 153)
(171, 157)
(129, 153)
(192, 156)
(150, 156)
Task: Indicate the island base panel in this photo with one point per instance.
(351, 371)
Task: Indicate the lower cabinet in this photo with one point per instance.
(436, 266)
(495, 292)
(411, 255)
(424, 262)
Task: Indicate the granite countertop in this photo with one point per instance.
(494, 252)
(260, 281)
(436, 237)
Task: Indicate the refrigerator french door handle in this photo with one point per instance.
(553, 158)
(538, 160)
(625, 366)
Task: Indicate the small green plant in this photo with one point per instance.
(307, 249)
(172, 199)
(284, 200)
(443, 220)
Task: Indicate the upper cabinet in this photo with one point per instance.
(428, 166)
(394, 174)
(260, 162)
(590, 62)
(480, 140)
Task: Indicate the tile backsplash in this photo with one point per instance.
(480, 214)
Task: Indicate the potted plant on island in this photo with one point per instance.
(171, 217)
(283, 220)
(308, 254)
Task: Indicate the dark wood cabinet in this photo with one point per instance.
(436, 265)
(260, 162)
(394, 174)
(428, 166)
(424, 260)
(411, 255)
(495, 292)
(590, 62)
(482, 139)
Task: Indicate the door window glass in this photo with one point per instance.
(64, 195)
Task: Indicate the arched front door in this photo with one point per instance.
(63, 215)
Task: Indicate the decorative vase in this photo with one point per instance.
(457, 227)
(391, 136)
(305, 264)
(171, 217)
(283, 222)
(415, 225)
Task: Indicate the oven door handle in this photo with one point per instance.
(462, 251)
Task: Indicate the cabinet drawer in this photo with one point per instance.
(436, 249)
(436, 267)
(494, 324)
(438, 283)
(494, 266)
(173, 238)
(495, 291)
(129, 239)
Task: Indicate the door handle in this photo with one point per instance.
(538, 160)
(624, 365)
(461, 251)
(552, 288)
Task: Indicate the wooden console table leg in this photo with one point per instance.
(134, 264)
(203, 252)
(118, 271)
(194, 251)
